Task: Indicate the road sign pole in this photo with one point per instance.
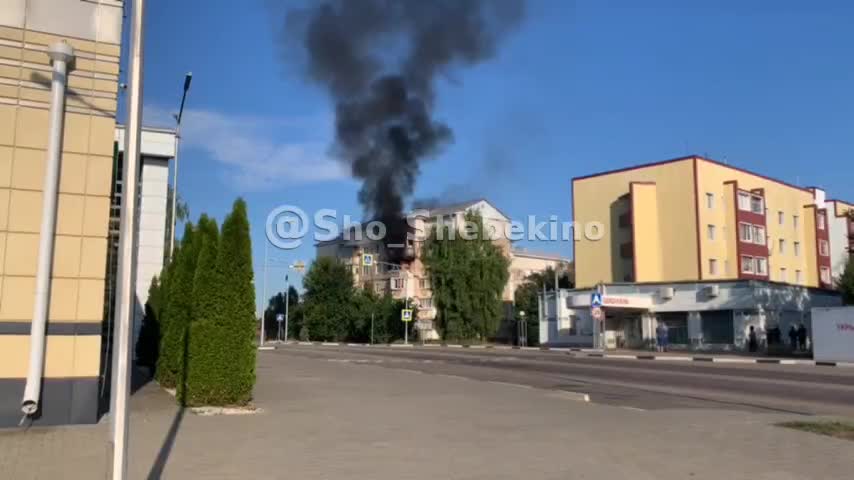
(287, 302)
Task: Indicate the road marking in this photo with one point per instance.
(508, 384)
(330, 344)
(676, 359)
(454, 346)
(634, 409)
(577, 396)
(304, 343)
(628, 357)
(477, 346)
(450, 376)
(733, 360)
(266, 348)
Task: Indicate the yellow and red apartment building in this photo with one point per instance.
(705, 247)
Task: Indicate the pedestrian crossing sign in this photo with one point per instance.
(596, 299)
(406, 315)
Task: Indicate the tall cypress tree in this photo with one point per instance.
(180, 307)
(206, 358)
(148, 343)
(237, 331)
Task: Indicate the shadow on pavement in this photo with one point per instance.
(165, 449)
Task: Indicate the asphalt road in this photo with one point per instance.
(634, 384)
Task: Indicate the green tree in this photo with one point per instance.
(206, 363)
(148, 343)
(180, 312)
(468, 272)
(276, 306)
(232, 338)
(328, 300)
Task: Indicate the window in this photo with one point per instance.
(427, 302)
(782, 246)
(717, 326)
(710, 200)
(761, 265)
(759, 235)
(798, 276)
(825, 275)
(757, 204)
(783, 274)
(823, 248)
(396, 283)
(710, 232)
(781, 218)
(743, 201)
(746, 264)
(797, 248)
(713, 266)
(424, 283)
(745, 232)
(821, 221)
(795, 220)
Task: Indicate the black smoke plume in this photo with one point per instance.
(379, 60)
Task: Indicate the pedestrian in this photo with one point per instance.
(802, 337)
(752, 344)
(659, 337)
(793, 338)
(664, 336)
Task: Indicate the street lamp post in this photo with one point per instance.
(187, 80)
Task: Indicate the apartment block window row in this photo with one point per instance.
(821, 221)
(751, 203)
(710, 200)
(825, 274)
(823, 248)
(750, 233)
(754, 265)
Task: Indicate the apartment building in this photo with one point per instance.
(34, 35)
(706, 247)
(401, 273)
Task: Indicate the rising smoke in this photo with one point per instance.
(379, 60)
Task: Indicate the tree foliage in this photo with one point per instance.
(207, 319)
(526, 297)
(148, 343)
(468, 272)
(276, 306)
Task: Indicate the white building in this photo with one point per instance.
(841, 231)
(157, 149)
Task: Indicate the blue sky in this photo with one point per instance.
(581, 87)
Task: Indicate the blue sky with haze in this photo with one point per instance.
(581, 87)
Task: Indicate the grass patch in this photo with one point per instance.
(834, 429)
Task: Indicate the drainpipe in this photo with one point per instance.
(61, 54)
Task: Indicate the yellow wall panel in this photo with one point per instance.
(8, 91)
(5, 166)
(35, 95)
(87, 356)
(31, 128)
(22, 252)
(63, 299)
(28, 169)
(7, 124)
(10, 33)
(76, 138)
(110, 86)
(11, 53)
(108, 49)
(25, 211)
(107, 67)
(9, 71)
(69, 217)
(646, 233)
(4, 208)
(16, 355)
(17, 299)
(34, 56)
(91, 304)
(99, 175)
(73, 173)
(93, 257)
(80, 81)
(66, 257)
(103, 136)
(96, 217)
(2, 256)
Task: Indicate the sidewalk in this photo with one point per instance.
(347, 421)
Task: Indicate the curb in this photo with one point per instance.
(587, 352)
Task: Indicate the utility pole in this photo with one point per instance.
(264, 294)
(287, 302)
(187, 80)
(125, 283)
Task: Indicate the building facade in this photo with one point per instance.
(386, 273)
(700, 246)
(73, 363)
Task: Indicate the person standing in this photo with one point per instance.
(793, 338)
(802, 337)
(752, 344)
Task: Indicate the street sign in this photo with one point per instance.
(598, 313)
(280, 317)
(596, 299)
(367, 260)
(406, 315)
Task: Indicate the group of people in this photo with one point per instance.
(797, 337)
